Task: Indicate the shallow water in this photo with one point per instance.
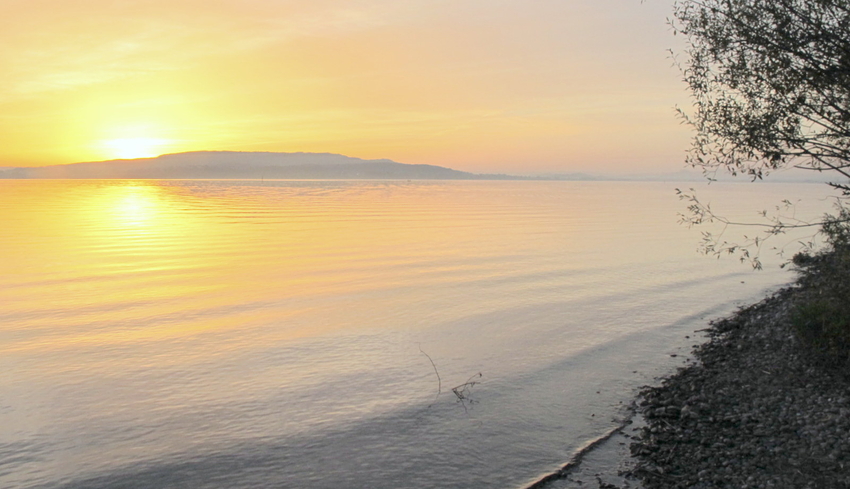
(229, 334)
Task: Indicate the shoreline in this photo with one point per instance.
(752, 409)
(755, 410)
(578, 463)
(603, 463)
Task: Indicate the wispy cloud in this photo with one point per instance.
(57, 45)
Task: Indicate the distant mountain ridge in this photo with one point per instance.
(325, 166)
(248, 165)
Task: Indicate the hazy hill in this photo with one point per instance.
(250, 165)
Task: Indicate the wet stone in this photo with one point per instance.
(750, 411)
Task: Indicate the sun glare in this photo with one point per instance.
(129, 148)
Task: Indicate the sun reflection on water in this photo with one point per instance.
(134, 206)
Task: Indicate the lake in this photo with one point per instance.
(355, 334)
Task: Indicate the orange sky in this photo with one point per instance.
(515, 86)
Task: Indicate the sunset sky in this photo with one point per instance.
(517, 86)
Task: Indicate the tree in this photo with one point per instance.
(770, 82)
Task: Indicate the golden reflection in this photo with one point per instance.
(147, 261)
(134, 206)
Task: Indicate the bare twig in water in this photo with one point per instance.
(463, 391)
(439, 380)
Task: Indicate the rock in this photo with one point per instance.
(750, 412)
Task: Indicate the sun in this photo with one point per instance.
(130, 148)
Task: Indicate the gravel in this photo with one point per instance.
(752, 411)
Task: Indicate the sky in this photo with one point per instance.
(513, 86)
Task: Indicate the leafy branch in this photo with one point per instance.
(770, 89)
(773, 224)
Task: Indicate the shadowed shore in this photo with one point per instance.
(756, 410)
(758, 407)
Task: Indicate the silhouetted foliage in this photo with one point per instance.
(822, 313)
(770, 82)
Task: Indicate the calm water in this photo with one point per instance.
(239, 334)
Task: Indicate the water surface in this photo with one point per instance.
(236, 334)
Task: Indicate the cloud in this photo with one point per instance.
(48, 45)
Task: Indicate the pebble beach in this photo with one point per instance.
(753, 408)
(753, 411)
